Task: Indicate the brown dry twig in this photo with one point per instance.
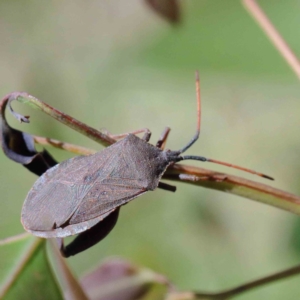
(278, 41)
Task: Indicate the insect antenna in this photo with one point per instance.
(205, 159)
(196, 136)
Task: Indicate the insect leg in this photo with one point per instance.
(90, 237)
(146, 131)
(167, 187)
(163, 138)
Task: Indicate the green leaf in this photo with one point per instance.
(25, 272)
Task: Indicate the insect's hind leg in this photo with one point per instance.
(89, 237)
(161, 143)
(146, 136)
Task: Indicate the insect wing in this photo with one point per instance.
(78, 193)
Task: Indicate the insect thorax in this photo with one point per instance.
(147, 162)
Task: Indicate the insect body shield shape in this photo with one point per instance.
(80, 192)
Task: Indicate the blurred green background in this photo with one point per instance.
(117, 65)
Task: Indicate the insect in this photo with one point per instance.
(83, 195)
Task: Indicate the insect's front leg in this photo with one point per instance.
(163, 138)
(89, 237)
(146, 136)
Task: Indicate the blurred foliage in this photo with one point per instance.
(119, 66)
(25, 273)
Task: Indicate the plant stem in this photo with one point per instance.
(278, 41)
(62, 145)
(71, 122)
(251, 285)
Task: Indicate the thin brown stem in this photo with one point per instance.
(275, 37)
(65, 119)
(228, 294)
(62, 145)
(250, 286)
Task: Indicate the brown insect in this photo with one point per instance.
(83, 195)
